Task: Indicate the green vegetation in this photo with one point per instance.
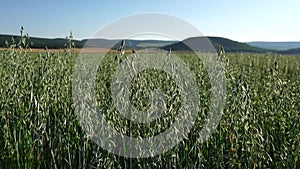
(260, 127)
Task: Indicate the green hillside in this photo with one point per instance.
(39, 42)
(235, 46)
(199, 43)
(290, 52)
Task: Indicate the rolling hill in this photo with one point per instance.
(59, 43)
(229, 45)
(290, 51)
(275, 45)
(132, 44)
(56, 43)
(197, 43)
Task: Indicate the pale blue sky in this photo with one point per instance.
(266, 20)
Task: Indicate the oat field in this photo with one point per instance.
(259, 128)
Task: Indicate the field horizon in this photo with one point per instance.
(228, 44)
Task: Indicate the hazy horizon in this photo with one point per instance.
(158, 39)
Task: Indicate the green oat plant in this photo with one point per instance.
(39, 128)
(23, 43)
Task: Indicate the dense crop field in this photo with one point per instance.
(260, 126)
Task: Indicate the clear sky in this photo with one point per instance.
(248, 20)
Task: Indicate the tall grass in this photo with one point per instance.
(39, 128)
